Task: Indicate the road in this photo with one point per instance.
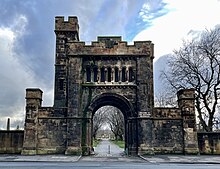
(107, 156)
(102, 165)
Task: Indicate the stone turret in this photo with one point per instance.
(65, 31)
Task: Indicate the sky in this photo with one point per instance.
(27, 39)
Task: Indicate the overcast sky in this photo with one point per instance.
(27, 39)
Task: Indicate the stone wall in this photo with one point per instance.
(209, 142)
(167, 131)
(11, 142)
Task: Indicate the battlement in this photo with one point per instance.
(111, 45)
(70, 25)
(109, 38)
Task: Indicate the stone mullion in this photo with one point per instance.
(98, 75)
(92, 74)
(119, 74)
(106, 75)
(126, 74)
(113, 74)
(85, 76)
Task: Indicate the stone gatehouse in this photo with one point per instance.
(107, 72)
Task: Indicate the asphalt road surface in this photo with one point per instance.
(107, 156)
(102, 165)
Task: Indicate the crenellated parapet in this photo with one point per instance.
(111, 46)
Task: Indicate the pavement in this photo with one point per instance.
(185, 159)
(107, 151)
(199, 159)
(38, 158)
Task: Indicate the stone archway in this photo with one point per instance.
(107, 72)
(130, 119)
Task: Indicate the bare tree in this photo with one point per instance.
(165, 98)
(99, 119)
(197, 65)
(115, 119)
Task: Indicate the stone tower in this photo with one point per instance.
(107, 72)
(66, 31)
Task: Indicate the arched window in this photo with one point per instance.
(116, 74)
(61, 84)
(131, 74)
(109, 70)
(123, 76)
(95, 73)
(103, 74)
(88, 74)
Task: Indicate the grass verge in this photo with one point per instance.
(95, 143)
(119, 143)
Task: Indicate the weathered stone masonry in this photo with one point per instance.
(107, 72)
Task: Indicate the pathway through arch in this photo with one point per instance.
(107, 149)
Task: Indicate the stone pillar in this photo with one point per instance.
(145, 128)
(33, 102)
(74, 128)
(89, 138)
(144, 106)
(132, 136)
(86, 140)
(8, 124)
(186, 102)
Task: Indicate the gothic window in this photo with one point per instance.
(131, 74)
(116, 74)
(88, 74)
(123, 76)
(61, 84)
(109, 70)
(103, 74)
(95, 71)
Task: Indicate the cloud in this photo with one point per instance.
(15, 76)
(184, 16)
(11, 77)
(152, 9)
(28, 48)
